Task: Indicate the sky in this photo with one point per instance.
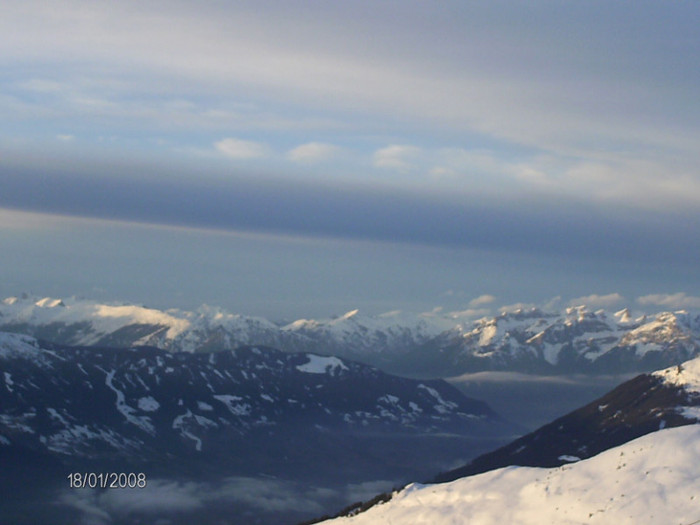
(296, 159)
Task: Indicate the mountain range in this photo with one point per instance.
(209, 417)
(574, 340)
(230, 430)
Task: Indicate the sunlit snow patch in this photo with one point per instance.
(686, 375)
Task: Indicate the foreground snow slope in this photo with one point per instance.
(653, 479)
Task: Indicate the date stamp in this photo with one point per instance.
(107, 480)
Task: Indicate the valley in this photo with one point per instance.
(221, 423)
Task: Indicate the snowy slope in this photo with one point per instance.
(197, 421)
(103, 319)
(82, 322)
(641, 450)
(575, 340)
(82, 402)
(653, 479)
(370, 338)
(644, 404)
(686, 376)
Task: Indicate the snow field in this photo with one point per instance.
(653, 479)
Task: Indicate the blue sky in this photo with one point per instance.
(293, 159)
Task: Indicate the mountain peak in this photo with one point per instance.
(49, 302)
(623, 316)
(351, 313)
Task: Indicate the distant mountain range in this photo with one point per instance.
(575, 340)
(182, 417)
(229, 429)
(618, 459)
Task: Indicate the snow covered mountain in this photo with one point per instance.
(572, 341)
(653, 479)
(649, 402)
(375, 339)
(82, 402)
(632, 456)
(575, 340)
(80, 322)
(253, 411)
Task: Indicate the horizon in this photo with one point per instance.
(482, 307)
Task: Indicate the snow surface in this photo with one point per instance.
(181, 422)
(690, 412)
(488, 334)
(233, 404)
(114, 317)
(201, 405)
(142, 422)
(686, 375)
(148, 404)
(17, 345)
(442, 406)
(653, 479)
(321, 364)
(8, 381)
(48, 302)
(623, 316)
(104, 319)
(373, 332)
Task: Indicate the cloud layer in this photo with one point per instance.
(547, 135)
(240, 149)
(266, 498)
(354, 211)
(599, 301)
(673, 301)
(312, 152)
(597, 103)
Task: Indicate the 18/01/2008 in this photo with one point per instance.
(107, 480)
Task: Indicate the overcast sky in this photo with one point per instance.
(295, 159)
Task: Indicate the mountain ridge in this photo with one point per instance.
(652, 479)
(574, 340)
(197, 420)
(642, 410)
